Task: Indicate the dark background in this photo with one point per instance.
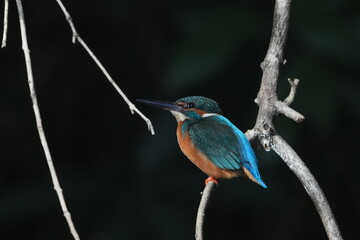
(122, 183)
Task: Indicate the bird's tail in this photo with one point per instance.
(257, 180)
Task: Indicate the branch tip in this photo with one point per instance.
(76, 36)
(283, 108)
(150, 127)
(293, 82)
(132, 108)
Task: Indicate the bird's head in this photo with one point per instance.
(193, 107)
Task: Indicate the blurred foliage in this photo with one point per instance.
(122, 183)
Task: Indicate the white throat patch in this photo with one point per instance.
(179, 116)
(182, 117)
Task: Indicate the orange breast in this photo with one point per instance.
(200, 159)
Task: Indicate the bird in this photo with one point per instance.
(211, 141)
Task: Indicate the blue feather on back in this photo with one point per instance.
(225, 145)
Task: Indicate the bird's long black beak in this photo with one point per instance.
(161, 104)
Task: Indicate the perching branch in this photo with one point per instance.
(6, 16)
(205, 198)
(76, 36)
(270, 106)
(40, 128)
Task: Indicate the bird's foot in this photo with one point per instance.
(211, 179)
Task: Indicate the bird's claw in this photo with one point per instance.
(211, 179)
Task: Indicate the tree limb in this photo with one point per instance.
(76, 36)
(205, 198)
(310, 184)
(270, 106)
(40, 128)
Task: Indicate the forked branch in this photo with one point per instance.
(76, 36)
(270, 106)
(293, 84)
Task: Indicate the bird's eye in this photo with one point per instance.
(190, 105)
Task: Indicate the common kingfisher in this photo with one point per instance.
(210, 140)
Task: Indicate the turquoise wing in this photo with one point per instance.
(225, 145)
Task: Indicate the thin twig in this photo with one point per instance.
(201, 210)
(40, 128)
(270, 106)
(293, 84)
(5, 29)
(76, 36)
(69, 20)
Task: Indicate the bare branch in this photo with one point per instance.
(5, 29)
(40, 128)
(76, 36)
(310, 184)
(271, 66)
(293, 86)
(69, 20)
(201, 210)
(270, 106)
(283, 108)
